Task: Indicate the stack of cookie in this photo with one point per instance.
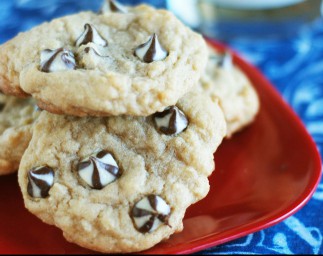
(126, 108)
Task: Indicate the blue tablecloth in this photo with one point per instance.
(294, 66)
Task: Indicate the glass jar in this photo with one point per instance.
(257, 19)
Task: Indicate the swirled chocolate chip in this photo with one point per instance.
(99, 170)
(112, 6)
(223, 60)
(40, 180)
(150, 213)
(93, 49)
(151, 50)
(171, 121)
(56, 60)
(90, 35)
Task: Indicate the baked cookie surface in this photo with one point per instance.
(226, 82)
(121, 184)
(16, 119)
(136, 62)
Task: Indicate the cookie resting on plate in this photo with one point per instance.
(16, 119)
(135, 62)
(121, 184)
(227, 83)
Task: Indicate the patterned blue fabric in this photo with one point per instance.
(294, 66)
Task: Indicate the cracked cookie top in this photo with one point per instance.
(121, 184)
(133, 62)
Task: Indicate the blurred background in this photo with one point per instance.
(283, 38)
(224, 19)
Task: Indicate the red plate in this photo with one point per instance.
(263, 174)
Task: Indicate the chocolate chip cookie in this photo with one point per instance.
(133, 61)
(226, 82)
(121, 184)
(16, 119)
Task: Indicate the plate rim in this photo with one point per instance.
(212, 240)
(230, 235)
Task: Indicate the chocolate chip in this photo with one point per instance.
(56, 60)
(151, 50)
(40, 180)
(112, 6)
(99, 170)
(94, 49)
(171, 121)
(150, 213)
(90, 35)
